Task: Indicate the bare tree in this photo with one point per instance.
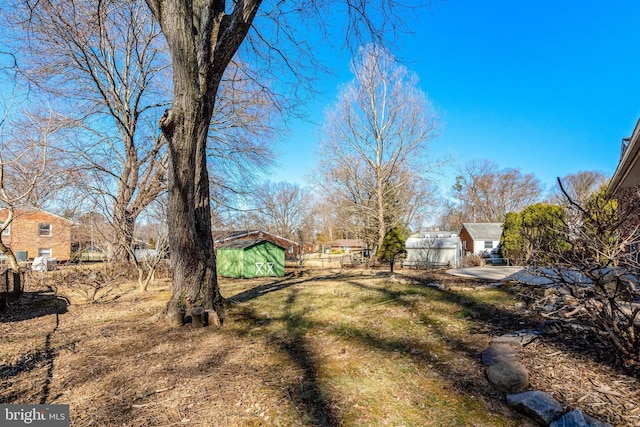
(103, 63)
(203, 38)
(282, 208)
(373, 152)
(580, 186)
(598, 266)
(91, 236)
(23, 151)
(113, 52)
(486, 194)
(241, 138)
(452, 216)
(146, 261)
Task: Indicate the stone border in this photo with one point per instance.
(511, 377)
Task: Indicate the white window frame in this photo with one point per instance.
(41, 252)
(490, 242)
(40, 234)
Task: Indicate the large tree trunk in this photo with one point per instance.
(189, 214)
(202, 39)
(124, 225)
(380, 210)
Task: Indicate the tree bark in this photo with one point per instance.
(124, 224)
(11, 258)
(193, 259)
(4, 249)
(202, 39)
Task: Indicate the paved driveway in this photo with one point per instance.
(493, 272)
(499, 272)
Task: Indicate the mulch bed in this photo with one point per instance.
(572, 364)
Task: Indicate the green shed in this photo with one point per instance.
(250, 258)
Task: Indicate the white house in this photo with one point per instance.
(433, 249)
(480, 237)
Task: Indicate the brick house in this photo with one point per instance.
(347, 246)
(36, 233)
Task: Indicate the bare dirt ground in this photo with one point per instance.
(326, 347)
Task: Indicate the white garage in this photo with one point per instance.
(433, 249)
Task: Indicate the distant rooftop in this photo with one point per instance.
(484, 230)
(440, 233)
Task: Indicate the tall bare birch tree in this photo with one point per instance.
(374, 150)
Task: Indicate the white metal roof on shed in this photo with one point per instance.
(484, 230)
(432, 242)
(435, 234)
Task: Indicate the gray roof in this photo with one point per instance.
(432, 242)
(483, 230)
(427, 234)
(354, 243)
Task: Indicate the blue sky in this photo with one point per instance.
(544, 86)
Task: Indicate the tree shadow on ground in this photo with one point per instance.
(307, 395)
(569, 336)
(278, 285)
(43, 357)
(495, 321)
(31, 305)
(485, 318)
(311, 398)
(490, 319)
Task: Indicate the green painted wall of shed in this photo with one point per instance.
(241, 263)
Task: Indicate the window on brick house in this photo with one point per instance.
(44, 230)
(7, 231)
(44, 252)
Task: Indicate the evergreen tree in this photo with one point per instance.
(392, 245)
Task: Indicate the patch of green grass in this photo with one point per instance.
(381, 353)
(464, 313)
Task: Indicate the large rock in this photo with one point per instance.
(539, 406)
(509, 377)
(498, 352)
(578, 418)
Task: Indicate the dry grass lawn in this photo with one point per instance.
(316, 348)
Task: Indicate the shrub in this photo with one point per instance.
(596, 268)
(93, 284)
(472, 260)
